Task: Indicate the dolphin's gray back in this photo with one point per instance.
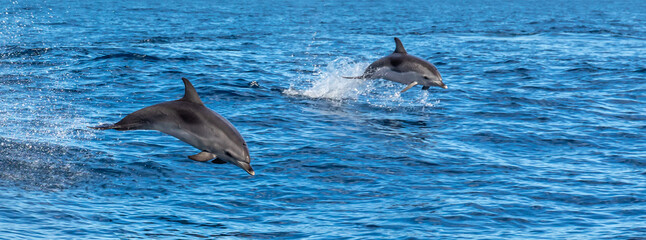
(401, 63)
(192, 123)
(412, 63)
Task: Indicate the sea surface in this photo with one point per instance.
(541, 133)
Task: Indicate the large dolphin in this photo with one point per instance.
(190, 121)
(404, 68)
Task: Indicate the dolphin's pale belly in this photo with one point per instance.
(400, 77)
(186, 136)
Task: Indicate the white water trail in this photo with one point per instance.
(328, 83)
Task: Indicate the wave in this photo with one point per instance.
(21, 52)
(128, 56)
(156, 40)
(507, 71)
(10, 52)
(585, 67)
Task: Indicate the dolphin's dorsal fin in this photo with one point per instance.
(190, 95)
(399, 47)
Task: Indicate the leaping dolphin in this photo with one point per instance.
(190, 121)
(404, 68)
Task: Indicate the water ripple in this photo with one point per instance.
(540, 134)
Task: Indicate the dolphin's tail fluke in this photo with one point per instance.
(102, 127)
(118, 127)
(134, 121)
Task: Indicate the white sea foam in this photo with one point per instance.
(328, 83)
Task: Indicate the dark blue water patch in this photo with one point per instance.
(14, 79)
(585, 67)
(27, 63)
(227, 49)
(637, 161)
(20, 52)
(157, 40)
(128, 56)
(503, 71)
(231, 37)
(586, 199)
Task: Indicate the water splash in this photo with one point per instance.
(43, 116)
(328, 83)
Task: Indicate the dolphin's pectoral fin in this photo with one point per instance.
(409, 86)
(218, 161)
(203, 156)
(425, 87)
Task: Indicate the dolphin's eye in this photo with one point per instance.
(228, 153)
(425, 77)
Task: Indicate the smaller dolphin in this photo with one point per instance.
(190, 121)
(403, 68)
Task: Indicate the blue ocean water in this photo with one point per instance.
(540, 134)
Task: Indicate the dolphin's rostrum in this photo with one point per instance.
(404, 68)
(190, 121)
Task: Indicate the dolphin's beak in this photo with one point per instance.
(250, 171)
(444, 86)
(245, 166)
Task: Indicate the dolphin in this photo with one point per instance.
(403, 68)
(190, 121)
